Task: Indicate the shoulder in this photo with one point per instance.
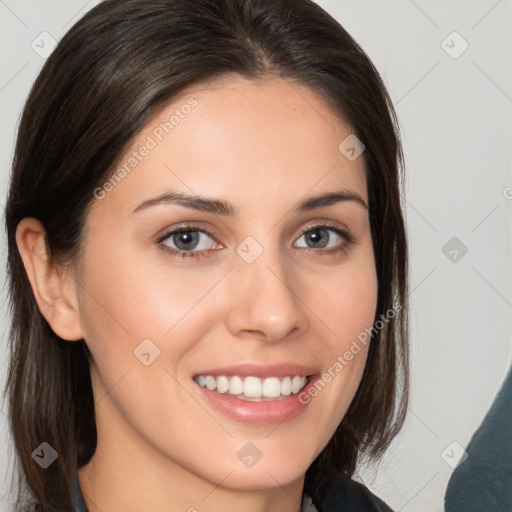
(482, 480)
(343, 493)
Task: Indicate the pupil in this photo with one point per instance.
(316, 237)
(186, 239)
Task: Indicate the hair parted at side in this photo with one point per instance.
(117, 66)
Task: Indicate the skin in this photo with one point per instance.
(263, 146)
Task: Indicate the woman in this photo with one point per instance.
(208, 263)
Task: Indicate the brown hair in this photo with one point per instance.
(117, 66)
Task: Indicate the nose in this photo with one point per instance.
(264, 303)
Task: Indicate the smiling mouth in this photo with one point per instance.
(254, 389)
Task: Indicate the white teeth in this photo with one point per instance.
(236, 386)
(296, 383)
(253, 387)
(222, 384)
(211, 382)
(286, 386)
(271, 387)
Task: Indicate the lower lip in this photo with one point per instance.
(276, 411)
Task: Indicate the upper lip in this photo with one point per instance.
(257, 370)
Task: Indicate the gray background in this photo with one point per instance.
(455, 116)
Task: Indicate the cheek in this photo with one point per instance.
(127, 297)
(347, 299)
(346, 304)
(125, 306)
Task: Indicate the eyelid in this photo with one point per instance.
(340, 229)
(187, 226)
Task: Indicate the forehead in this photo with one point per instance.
(245, 140)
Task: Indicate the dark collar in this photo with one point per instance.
(343, 493)
(78, 500)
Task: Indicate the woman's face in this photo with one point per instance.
(262, 285)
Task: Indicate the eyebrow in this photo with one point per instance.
(220, 207)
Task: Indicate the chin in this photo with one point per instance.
(263, 477)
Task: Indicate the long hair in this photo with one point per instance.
(114, 69)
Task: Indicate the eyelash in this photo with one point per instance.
(349, 239)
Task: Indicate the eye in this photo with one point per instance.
(188, 241)
(328, 238)
(191, 241)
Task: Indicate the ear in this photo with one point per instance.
(54, 287)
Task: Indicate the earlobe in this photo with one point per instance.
(54, 288)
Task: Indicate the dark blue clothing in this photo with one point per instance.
(346, 495)
(78, 500)
(343, 495)
(483, 482)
